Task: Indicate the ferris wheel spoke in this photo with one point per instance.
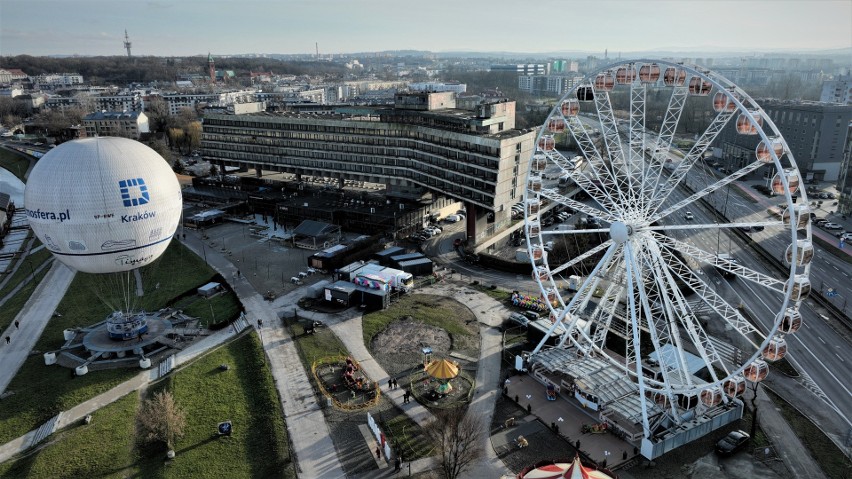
(685, 316)
(579, 259)
(601, 182)
(707, 190)
(721, 263)
(577, 297)
(660, 310)
(613, 148)
(695, 153)
(635, 159)
(662, 146)
(634, 329)
(575, 232)
(555, 196)
(713, 226)
(716, 303)
(598, 190)
(602, 272)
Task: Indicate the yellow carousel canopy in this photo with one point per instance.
(442, 369)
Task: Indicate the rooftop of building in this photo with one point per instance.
(376, 115)
(113, 115)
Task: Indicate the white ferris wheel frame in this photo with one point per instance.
(632, 193)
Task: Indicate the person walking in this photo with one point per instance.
(378, 452)
(8, 339)
(17, 324)
(397, 464)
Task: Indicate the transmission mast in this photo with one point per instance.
(127, 43)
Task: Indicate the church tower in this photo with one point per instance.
(211, 67)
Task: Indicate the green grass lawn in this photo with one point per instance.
(500, 295)
(833, 462)
(16, 163)
(42, 391)
(323, 343)
(103, 448)
(410, 440)
(220, 308)
(436, 311)
(246, 395)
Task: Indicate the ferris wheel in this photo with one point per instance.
(648, 247)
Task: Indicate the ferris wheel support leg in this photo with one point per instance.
(628, 253)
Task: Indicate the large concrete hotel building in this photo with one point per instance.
(424, 144)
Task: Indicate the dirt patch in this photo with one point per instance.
(401, 343)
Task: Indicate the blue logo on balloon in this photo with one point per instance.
(134, 192)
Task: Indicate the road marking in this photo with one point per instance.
(820, 340)
(835, 267)
(838, 357)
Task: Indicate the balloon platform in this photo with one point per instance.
(149, 335)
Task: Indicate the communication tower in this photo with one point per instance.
(127, 43)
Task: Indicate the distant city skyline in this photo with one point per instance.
(193, 27)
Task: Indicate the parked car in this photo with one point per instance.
(531, 314)
(846, 236)
(516, 320)
(820, 221)
(733, 442)
(832, 226)
(452, 218)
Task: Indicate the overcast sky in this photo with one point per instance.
(189, 27)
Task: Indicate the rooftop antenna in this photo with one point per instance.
(127, 43)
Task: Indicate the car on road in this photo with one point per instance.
(733, 442)
(452, 218)
(832, 226)
(689, 215)
(531, 314)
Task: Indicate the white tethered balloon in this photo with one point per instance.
(103, 205)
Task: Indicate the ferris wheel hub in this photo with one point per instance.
(620, 232)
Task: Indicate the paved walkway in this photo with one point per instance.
(32, 319)
(309, 433)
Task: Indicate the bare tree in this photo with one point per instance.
(458, 437)
(162, 419)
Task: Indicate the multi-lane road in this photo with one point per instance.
(816, 349)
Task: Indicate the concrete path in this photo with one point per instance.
(32, 319)
(309, 433)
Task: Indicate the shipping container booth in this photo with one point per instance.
(340, 292)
